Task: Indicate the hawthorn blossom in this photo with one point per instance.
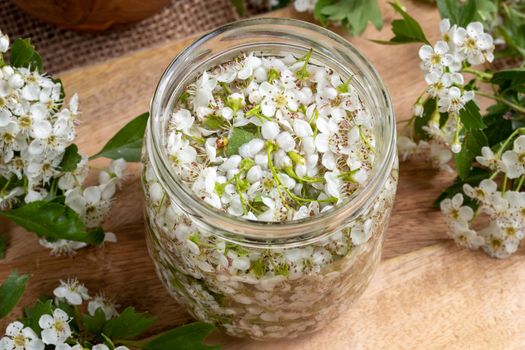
(55, 328)
(72, 292)
(19, 337)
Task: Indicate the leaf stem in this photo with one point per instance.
(502, 100)
(480, 74)
(520, 183)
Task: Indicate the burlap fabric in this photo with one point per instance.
(63, 49)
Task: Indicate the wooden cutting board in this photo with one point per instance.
(427, 294)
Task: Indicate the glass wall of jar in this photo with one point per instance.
(267, 280)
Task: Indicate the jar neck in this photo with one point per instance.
(271, 35)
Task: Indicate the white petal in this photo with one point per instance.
(45, 321)
(92, 194)
(425, 52)
(321, 142)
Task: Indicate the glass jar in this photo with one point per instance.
(257, 279)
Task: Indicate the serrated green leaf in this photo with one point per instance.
(95, 324)
(187, 337)
(11, 291)
(473, 141)
(509, 78)
(352, 14)
(128, 325)
(32, 314)
(23, 54)
(127, 142)
(471, 117)
(406, 30)
(238, 138)
(70, 159)
(54, 221)
(458, 12)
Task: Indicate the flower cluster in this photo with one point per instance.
(444, 65)
(484, 207)
(505, 209)
(271, 138)
(54, 328)
(505, 212)
(38, 160)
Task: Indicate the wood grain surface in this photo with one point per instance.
(427, 294)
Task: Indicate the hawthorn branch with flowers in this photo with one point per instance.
(74, 320)
(485, 206)
(41, 169)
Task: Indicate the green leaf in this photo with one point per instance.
(406, 30)
(127, 142)
(187, 337)
(95, 324)
(213, 122)
(23, 54)
(457, 12)
(71, 158)
(54, 221)
(473, 179)
(3, 246)
(509, 78)
(33, 314)
(498, 128)
(128, 325)
(470, 116)
(11, 291)
(238, 138)
(240, 6)
(473, 141)
(352, 14)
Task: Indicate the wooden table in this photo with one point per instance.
(427, 294)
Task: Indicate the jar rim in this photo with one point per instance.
(227, 225)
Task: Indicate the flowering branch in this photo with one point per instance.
(488, 150)
(74, 320)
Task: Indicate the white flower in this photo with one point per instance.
(513, 161)
(275, 99)
(182, 120)
(304, 5)
(440, 156)
(285, 141)
(270, 130)
(484, 192)
(406, 147)
(466, 237)
(114, 172)
(102, 303)
(418, 109)
(203, 92)
(180, 150)
(361, 233)
(453, 99)
(333, 184)
(439, 82)
(72, 292)
(475, 45)
(92, 204)
(455, 211)
(62, 247)
(488, 159)
(327, 129)
(4, 42)
(55, 328)
(434, 58)
(497, 244)
(248, 65)
(8, 198)
(18, 337)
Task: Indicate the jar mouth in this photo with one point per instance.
(219, 221)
